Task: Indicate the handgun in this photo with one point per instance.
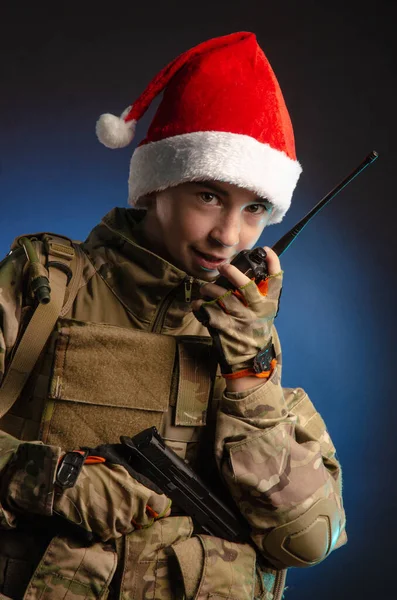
(150, 456)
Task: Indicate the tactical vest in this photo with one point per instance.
(95, 381)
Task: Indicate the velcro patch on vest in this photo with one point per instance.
(195, 380)
(106, 381)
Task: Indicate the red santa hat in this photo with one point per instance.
(222, 118)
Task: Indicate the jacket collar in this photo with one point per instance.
(141, 279)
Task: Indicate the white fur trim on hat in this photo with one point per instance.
(217, 156)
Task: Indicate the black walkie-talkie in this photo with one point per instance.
(252, 262)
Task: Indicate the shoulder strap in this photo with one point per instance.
(60, 253)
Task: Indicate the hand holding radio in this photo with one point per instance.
(239, 315)
(247, 265)
(253, 264)
(240, 306)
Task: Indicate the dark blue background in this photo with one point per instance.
(336, 65)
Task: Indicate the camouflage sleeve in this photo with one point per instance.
(11, 294)
(8, 447)
(276, 456)
(27, 475)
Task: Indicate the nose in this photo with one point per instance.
(227, 230)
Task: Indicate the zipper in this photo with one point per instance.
(164, 306)
(279, 584)
(188, 289)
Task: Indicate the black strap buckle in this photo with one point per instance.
(263, 359)
(70, 468)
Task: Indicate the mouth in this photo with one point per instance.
(209, 261)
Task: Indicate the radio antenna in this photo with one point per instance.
(281, 246)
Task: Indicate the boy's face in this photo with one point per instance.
(215, 218)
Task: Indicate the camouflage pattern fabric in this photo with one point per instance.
(272, 446)
(30, 478)
(106, 500)
(244, 322)
(28, 473)
(147, 572)
(195, 366)
(11, 292)
(72, 571)
(228, 570)
(224, 569)
(8, 447)
(276, 456)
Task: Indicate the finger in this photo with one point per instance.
(158, 506)
(273, 261)
(233, 274)
(211, 290)
(154, 515)
(195, 305)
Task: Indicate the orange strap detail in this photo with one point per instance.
(90, 460)
(221, 304)
(251, 372)
(263, 286)
(151, 512)
(94, 460)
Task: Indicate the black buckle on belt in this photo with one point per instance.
(70, 468)
(264, 358)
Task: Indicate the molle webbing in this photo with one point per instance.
(195, 368)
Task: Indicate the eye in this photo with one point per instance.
(258, 209)
(207, 197)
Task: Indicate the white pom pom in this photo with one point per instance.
(114, 132)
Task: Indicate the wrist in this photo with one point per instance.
(30, 480)
(243, 383)
(245, 379)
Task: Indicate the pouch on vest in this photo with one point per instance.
(215, 568)
(105, 383)
(163, 562)
(147, 569)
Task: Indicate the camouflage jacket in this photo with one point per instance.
(119, 361)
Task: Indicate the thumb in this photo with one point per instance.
(158, 505)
